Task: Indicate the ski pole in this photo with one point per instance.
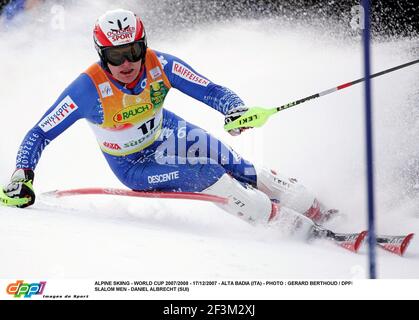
(257, 117)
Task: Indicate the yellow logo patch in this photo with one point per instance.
(133, 113)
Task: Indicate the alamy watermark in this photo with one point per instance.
(194, 146)
(358, 18)
(57, 21)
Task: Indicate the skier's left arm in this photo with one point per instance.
(184, 78)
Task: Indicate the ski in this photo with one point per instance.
(394, 244)
(349, 241)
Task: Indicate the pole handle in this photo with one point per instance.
(11, 202)
(253, 118)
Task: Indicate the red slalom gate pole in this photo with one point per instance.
(139, 194)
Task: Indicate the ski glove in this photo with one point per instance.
(233, 114)
(20, 186)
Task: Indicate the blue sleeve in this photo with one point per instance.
(76, 102)
(13, 8)
(184, 78)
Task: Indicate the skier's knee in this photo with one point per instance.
(244, 201)
(287, 191)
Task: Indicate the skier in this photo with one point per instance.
(148, 147)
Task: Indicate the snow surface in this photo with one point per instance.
(267, 63)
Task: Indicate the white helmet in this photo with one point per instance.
(120, 28)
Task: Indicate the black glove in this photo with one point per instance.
(233, 114)
(20, 186)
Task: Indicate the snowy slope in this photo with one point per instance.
(320, 143)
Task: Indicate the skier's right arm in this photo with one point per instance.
(74, 103)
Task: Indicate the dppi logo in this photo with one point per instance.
(27, 290)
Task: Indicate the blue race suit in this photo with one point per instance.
(143, 169)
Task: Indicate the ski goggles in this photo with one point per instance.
(133, 52)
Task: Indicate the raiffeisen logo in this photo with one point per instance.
(27, 290)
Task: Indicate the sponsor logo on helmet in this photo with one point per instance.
(132, 113)
(124, 34)
(117, 32)
(187, 74)
(63, 109)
